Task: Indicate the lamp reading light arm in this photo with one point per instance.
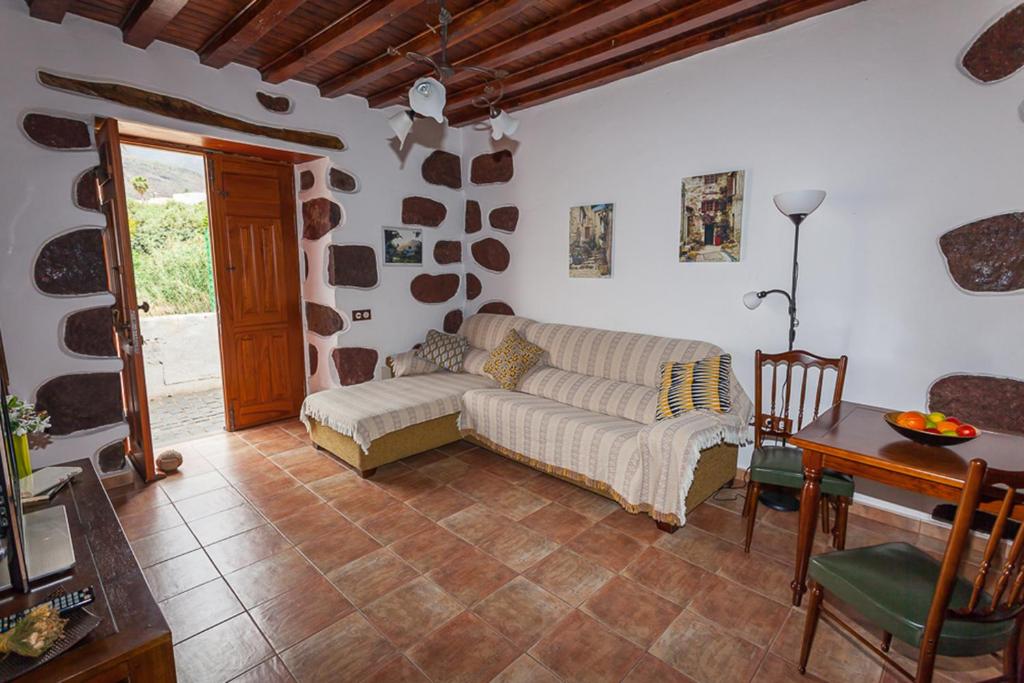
(793, 322)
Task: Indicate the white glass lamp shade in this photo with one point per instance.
(751, 300)
(502, 124)
(401, 123)
(427, 98)
(800, 202)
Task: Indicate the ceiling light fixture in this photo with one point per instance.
(428, 96)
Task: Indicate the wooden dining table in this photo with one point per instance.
(854, 439)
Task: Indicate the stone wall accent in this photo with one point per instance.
(343, 181)
(987, 255)
(496, 307)
(111, 456)
(314, 360)
(453, 321)
(491, 254)
(504, 218)
(434, 289)
(305, 265)
(491, 168)
(91, 332)
(443, 168)
(87, 195)
(999, 51)
(81, 401)
(423, 211)
(306, 180)
(56, 131)
(352, 265)
(984, 401)
(319, 217)
(473, 286)
(474, 219)
(448, 251)
(72, 263)
(323, 320)
(355, 364)
(279, 104)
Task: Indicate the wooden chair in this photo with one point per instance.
(778, 464)
(915, 598)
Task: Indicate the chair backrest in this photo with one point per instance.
(785, 410)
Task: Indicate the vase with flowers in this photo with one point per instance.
(25, 420)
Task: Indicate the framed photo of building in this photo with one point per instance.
(711, 221)
(590, 240)
(403, 247)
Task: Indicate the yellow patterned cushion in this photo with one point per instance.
(511, 359)
(700, 385)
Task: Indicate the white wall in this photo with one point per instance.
(867, 103)
(36, 185)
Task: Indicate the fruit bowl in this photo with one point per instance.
(923, 437)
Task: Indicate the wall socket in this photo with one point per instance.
(362, 314)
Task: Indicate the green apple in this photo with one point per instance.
(929, 424)
(949, 432)
(935, 417)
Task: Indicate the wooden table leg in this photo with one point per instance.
(808, 521)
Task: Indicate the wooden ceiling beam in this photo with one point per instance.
(679, 48)
(244, 29)
(49, 10)
(565, 26)
(364, 20)
(691, 17)
(147, 19)
(464, 26)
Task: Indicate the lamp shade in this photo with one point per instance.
(752, 300)
(502, 124)
(800, 202)
(401, 123)
(427, 98)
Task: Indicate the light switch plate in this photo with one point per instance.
(362, 314)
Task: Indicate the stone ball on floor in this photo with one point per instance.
(169, 461)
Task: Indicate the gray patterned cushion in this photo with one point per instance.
(444, 350)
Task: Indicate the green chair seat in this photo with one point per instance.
(893, 584)
(783, 466)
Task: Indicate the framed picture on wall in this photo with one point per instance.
(711, 218)
(403, 247)
(590, 240)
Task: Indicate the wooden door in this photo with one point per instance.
(256, 271)
(125, 311)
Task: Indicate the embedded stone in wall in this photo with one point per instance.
(355, 364)
(81, 401)
(352, 265)
(473, 286)
(497, 308)
(999, 51)
(474, 219)
(448, 251)
(443, 168)
(434, 289)
(56, 131)
(314, 360)
(87, 194)
(491, 168)
(111, 457)
(306, 180)
(319, 217)
(342, 181)
(323, 320)
(72, 263)
(986, 402)
(987, 255)
(423, 211)
(491, 254)
(453, 321)
(279, 104)
(90, 332)
(504, 218)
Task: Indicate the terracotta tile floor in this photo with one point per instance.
(273, 562)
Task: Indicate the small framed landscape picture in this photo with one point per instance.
(403, 247)
(590, 240)
(711, 221)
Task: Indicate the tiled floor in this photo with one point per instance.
(185, 416)
(272, 561)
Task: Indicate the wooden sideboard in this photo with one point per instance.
(133, 643)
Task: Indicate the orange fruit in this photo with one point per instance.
(947, 426)
(911, 420)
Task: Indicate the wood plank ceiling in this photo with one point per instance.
(550, 48)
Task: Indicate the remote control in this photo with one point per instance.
(63, 603)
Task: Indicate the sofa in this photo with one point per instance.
(585, 413)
